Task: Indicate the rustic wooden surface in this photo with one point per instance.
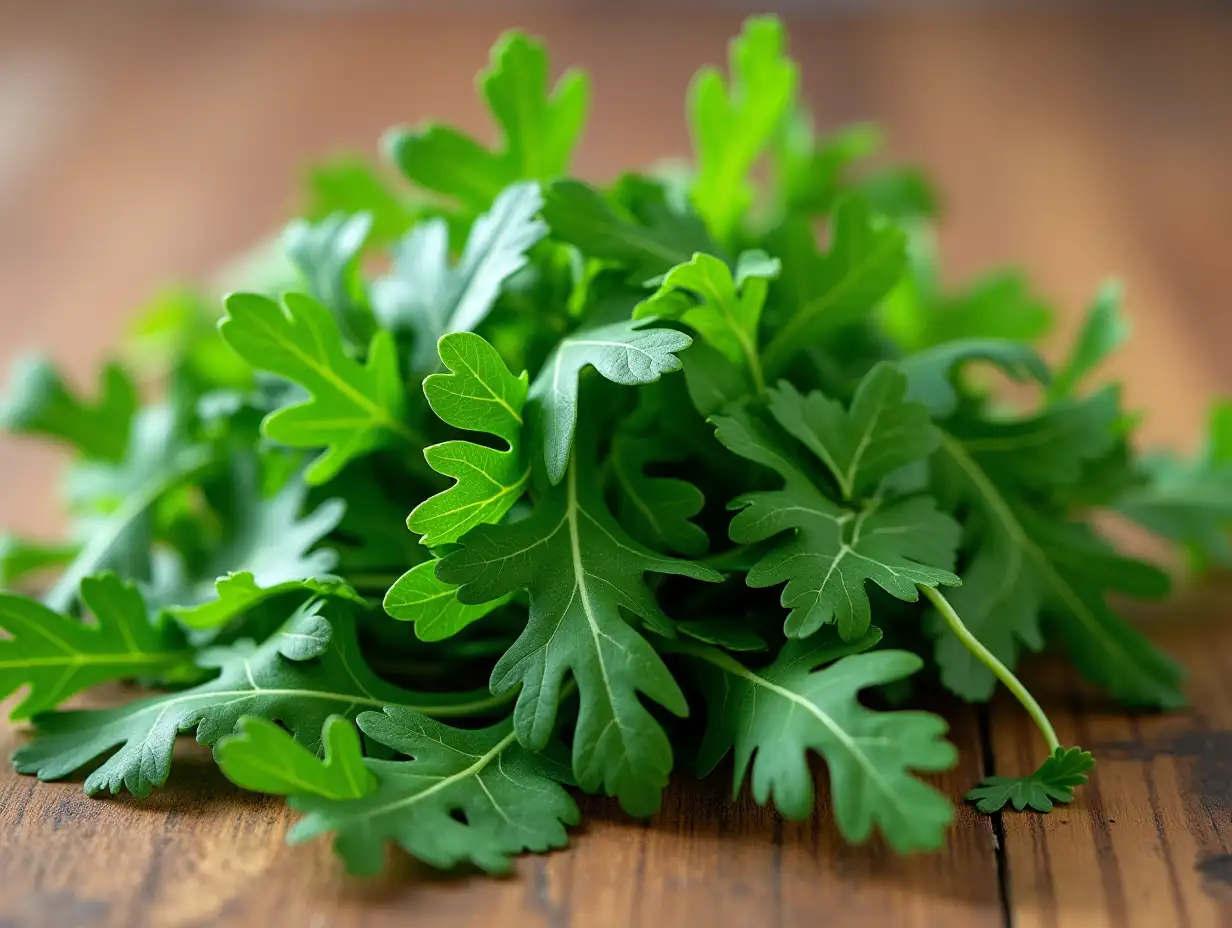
(142, 147)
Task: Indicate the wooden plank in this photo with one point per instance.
(201, 850)
(1148, 841)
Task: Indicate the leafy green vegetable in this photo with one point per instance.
(57, 656)
(764, 328)
(774, 717)
(1054, 781)
(38, 402)
(262, 757)
(581, 569)
(472, 796)
(354, 408)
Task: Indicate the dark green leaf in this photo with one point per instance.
(1054, 781)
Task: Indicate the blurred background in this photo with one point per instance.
(147, 143)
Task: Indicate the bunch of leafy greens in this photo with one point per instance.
(617, 415)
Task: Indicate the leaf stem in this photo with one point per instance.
(989, 660)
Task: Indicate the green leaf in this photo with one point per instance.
(837, 288)
(878, 434)
(581, 570)
(1102, 332)
(424, 295)
(775, 716)
(354, 408)
(326, 253)
(305, 672)
(267, 550)
(58, 656)
(158, 460)
(465, 796)
(1054, 781)
(655, 510)
(1031, 563)
(725, 311)
(20, 557)
(262, 757)
(654, 240)
(623, 352)
(831, 551)
(713, 382)
(350, 185)
(478, 394)
(932, 373)
(731, 128)
(539, 129)
(38, 402)
(418, 596)
(1189, 502)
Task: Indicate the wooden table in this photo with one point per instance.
(141, 147)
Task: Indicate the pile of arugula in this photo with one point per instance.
(682, 482)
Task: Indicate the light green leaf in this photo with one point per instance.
(260, 756)
(418, 596)
(308, 670)
(808, 700)
(539, 129)
(350, 185)
(1102, 332)
(426, 296)
(623, 352)
(58, 656)
(354, 408)
(509, 799)
(725, 311)
(478, 394)
(655, 239)
(731, 128)
(326, 253)
(38, 402)
(835, 289)
(932, 373)
(20, 557)
(581, 571)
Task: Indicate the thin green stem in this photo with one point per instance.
(989, 660)
(754, 362)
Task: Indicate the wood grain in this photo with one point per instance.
(1075, 145)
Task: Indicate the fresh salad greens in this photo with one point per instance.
(502, 484)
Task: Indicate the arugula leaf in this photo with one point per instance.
(350, 185)
(775, 716)
(1054, 781)
(1102, 332)
(931, 374)
(326, 253)
(418, 596)
(302, 674)
(38, 402)
(623, 352)
(731, 129)
(878, 434)
(262, 757)
(473, 796)
(539, 128)
(157, 461)
(581, 570)
(426, 296)
(832, 551)
(655, 510)
(478, 394)
(265, 553)
(58, 656)
(1035, 562)
(839, 287)
(354, 408)
(727, 309)
(656, 239)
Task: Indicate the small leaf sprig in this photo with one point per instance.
(424, 550)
